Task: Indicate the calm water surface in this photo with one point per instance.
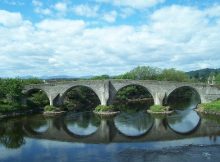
(138, 136)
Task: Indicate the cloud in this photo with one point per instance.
(13, 2)
(10, 19)
(110, 16)
(177, 36)
(61, 7)
(86, 10)
(37, 3)
(40, 9)
(136, 4)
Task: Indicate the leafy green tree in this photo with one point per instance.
(102, 77)
(217, 78)
(141, 73)
(174, 75)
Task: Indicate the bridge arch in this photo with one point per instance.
(113, 95)
(188, 88)
(30, 91)
(68, 89)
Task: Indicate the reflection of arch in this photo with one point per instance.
(133, 84)
(74, 134)
(185, 114)
(28, 129)
(75, 86)
(122, 130)
(187, 87)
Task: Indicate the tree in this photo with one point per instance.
(141, 73)
(174, 75)
(217, 78)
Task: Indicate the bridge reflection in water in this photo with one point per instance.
(126, 127)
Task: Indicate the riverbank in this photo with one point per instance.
(159, 109)
(18, 113)
(212, 108)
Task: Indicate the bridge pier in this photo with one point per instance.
(159, 98)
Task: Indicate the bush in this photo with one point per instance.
(158, 108)
(49, 108)
(101, 108)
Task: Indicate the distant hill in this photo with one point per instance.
(203, 74)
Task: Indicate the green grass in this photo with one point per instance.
(158, 108)
(210, 107)
(102, 108)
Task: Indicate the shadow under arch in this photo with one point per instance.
(75, 120)
(186, 97)
(134, 125)
(184, 122)
(139, 94)
(85, 91)
(32, 91)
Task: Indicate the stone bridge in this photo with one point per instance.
(106, 90)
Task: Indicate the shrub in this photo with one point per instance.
(158, 108)
(49, 108)
(101, 108)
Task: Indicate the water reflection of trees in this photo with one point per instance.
(38, 123)
(11, 134)
(134, 124)
(80, 98)
(184, 122)
(183, 98)
(86, 122)
(133, 98)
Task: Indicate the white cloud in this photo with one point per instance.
(110, 16)
(40, 9)
(37, 3)
(9, 18)
(175, 36)
(43, 11)
(62, 25)
(86, 10)
(136, 4)
(13, 2)
(61, 7)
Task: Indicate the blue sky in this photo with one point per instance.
(93, 37)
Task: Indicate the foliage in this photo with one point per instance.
(217, 79)
(141, 73)
(158, 108)
(101, 108)
(211, 107)
(203, 74)
(133, 92)
(80, 98)
(11, 93)
(49, 108)
(101, 77)
(173, 75)
(37, 99)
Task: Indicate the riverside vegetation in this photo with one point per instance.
(11, 90)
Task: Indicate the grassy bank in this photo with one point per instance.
(102, 108)
(159, 109)
(212, 107)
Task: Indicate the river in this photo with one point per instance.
(130, 136)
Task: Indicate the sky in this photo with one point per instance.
(94, 37)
